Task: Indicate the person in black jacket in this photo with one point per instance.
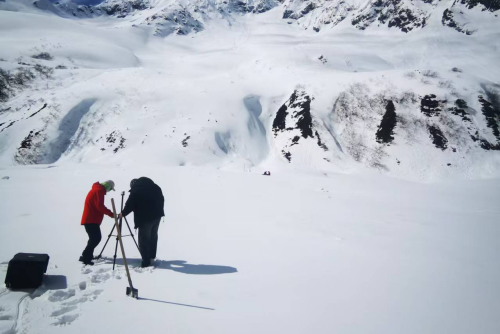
(146, 201)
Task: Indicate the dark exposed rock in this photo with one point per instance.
(44, 106)
(449, 21)
(492, 116)
(299, 105)
(386, 129)
(438, 138)
(294, 123)
(461, 103)
(43, 56)
(27, 142)
(317, 13)
(460, 110)
(279, 123)
(180, 22)
(491, 5)
(429, 105)
(295, 15)
(8, 126)
(486, 145)
(287, 14)
(29, 150)
(287, 155)
(303, 113)
(116, 139)
(320, 143)
(392, 12)
(176, 18)
(184, 142)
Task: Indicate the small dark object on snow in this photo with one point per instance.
(132, 292)
(268, 173)
(26, 271)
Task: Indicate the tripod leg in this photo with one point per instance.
(132, 234)
(118, 233)
(109, 236)
(126, 221)
(116, 246)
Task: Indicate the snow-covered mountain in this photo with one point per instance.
(310, 85)
(345, 102)
(183, 17)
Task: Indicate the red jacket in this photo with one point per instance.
(94, 209)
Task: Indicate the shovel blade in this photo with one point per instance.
(132, 292)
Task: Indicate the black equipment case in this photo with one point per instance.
(26, 271)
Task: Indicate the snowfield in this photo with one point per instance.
(378, 120)
(249, 253)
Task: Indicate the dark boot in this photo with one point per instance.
(90, 263)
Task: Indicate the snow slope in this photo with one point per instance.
(242, 252)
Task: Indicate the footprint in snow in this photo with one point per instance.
(62, 311)
(60, 295)
(66, 320)
(86, 270)
(93, 295)
(144, 270)
(69, 306)
(100, 277)
(76, 301)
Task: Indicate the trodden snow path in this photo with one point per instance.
(246, 253)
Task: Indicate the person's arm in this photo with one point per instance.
(129, 205)
(99, 204)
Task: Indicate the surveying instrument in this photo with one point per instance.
(119, 231)
(131, 291)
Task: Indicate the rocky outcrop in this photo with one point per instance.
(394, 13)
(294, 127)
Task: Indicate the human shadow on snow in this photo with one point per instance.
(180, 266)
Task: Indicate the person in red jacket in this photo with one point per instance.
(93, 213)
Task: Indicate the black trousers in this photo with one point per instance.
(94, 232)
(148, 239)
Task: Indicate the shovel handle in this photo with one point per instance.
(121, 245)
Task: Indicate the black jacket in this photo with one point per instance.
(145, 200)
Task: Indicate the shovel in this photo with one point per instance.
(131, 291)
